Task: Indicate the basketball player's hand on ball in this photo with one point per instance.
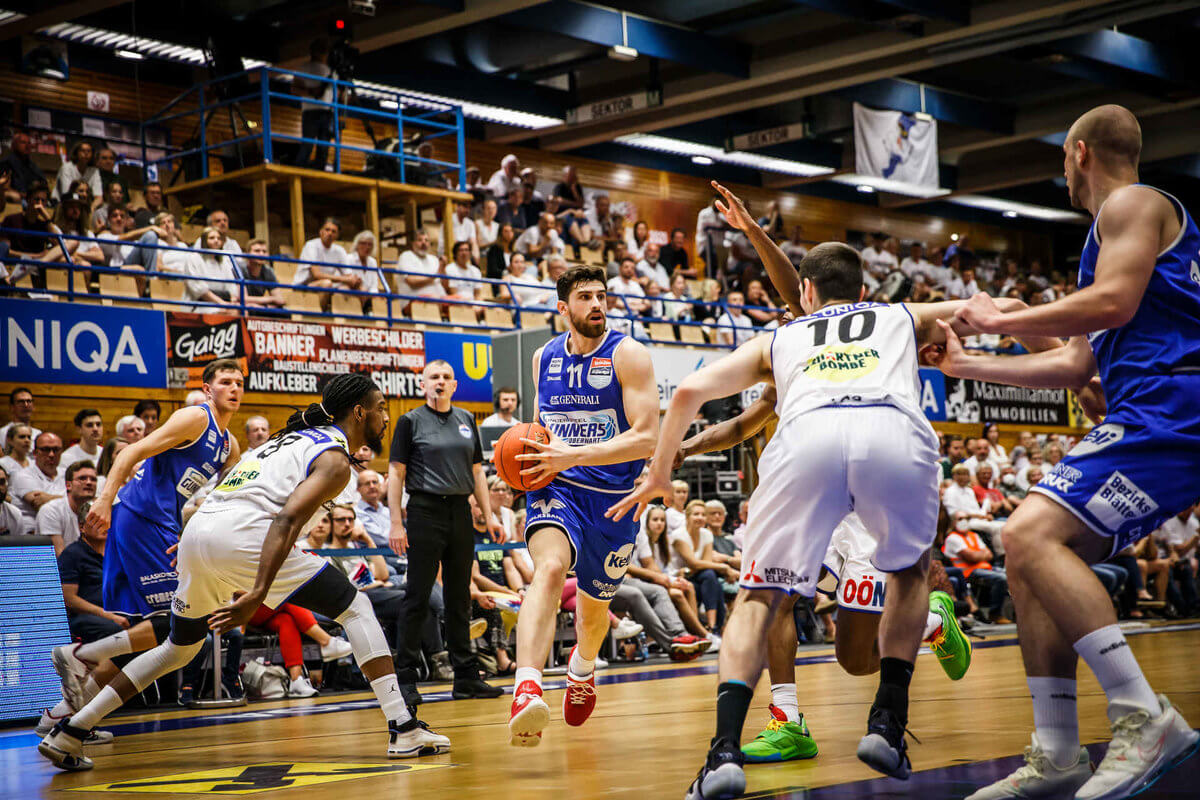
(99, 517)
(981, 313)
(655, 485)
(733, 210)
(551, 457)
(236, 614)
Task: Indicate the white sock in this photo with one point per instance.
(1108, 654)
(1056, 718)
(783, 697)
(527, 674)
(579, 666)
(102, 649)
(106, 702)
(391, 699)
(63, 709)
(932, 623)
(90, 689)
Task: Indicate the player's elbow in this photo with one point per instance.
(1114, 309)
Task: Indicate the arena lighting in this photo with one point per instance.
(891, 186)
(702, 160)
(1016, 209)
(679, 147)
(865, 189)
(619, 52)
(193, 56)
(390, 105)
(131, 55)
(954, 237)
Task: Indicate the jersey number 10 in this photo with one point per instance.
(845, 328)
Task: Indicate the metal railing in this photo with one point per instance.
(79, 286)
(256, 92)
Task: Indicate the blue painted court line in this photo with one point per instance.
(707, 668)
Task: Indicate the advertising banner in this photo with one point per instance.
(978, 401)
(45, 342)
(673, 364)
(282, 356)
(471, 357)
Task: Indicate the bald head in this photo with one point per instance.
(1111, 133)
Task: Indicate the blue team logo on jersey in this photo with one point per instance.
(582, 427)
(600, 373)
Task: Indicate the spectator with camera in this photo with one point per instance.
(33, 241)
(316, 118)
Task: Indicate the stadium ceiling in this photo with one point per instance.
(1004, 78)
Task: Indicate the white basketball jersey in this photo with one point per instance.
(264, 478)
(858, 354)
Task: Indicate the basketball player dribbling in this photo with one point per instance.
(242, 540)
(141, 509)
(852, 437)
(597, 397)
(1136, 322)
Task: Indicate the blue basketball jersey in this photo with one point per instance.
(158, 490)
(1150, 366)
(579, 399)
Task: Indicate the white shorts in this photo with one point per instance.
(217, 557)
(874, 460)
(849, 577)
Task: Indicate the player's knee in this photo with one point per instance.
(1020, 543)
(554, 566)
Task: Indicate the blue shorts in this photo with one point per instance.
(138, 576)
(1123, 481)
(601, 548)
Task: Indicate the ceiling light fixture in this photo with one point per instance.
(390, 105)
(1017, 209)
(681, 147)
(865, 189)
(1010, 214)
(129, 55)
(702, 160)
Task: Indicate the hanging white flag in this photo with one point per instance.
(896, 146)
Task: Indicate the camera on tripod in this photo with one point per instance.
(343, 57)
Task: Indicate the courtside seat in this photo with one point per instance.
(662, 331)
(463, 315)
(692, 334)
(117, 287)
(422, 311)
(498, 317)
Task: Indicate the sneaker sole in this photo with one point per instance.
(420, 750)
(525, 729)
(1153, 776)
(876, 753)
(60, 758)
(778, 757)
(954, 632)
(70, 683)
(723, 783)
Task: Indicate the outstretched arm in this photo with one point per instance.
(731, 432)
(779, 267)
(1069, 367)
(1131, 231)
(926, 315)
(748, 365)
(639, 393)
(328, 476)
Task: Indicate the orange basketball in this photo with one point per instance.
(509, 446)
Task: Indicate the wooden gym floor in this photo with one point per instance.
(646, 738)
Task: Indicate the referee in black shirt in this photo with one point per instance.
(438, 457)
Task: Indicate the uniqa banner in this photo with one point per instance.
(45, 342)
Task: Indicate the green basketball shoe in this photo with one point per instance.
(781, 741)
(951, 645)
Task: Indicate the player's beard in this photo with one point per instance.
(374, 439)
(586, 327)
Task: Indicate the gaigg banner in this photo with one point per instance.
(283, 356)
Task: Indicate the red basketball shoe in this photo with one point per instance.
(579, 699)
(530, 715)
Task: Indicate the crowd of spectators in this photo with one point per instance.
(983, 483)
(518, 229)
